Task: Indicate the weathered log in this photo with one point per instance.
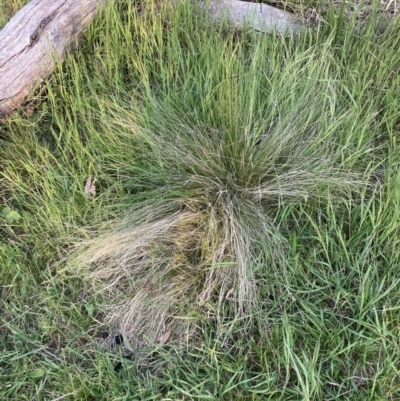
(34, 39)
(258, 16)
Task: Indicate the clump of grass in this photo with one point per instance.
(217, 150)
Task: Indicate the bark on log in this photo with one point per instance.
(32, 41)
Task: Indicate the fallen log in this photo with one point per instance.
(258, 16)
(34, 40)
(42, 32)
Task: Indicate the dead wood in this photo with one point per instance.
(34, 40)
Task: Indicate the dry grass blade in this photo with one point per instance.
(164, 338)
(90, 188)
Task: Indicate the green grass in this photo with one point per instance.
(247, 201)
(8, 8)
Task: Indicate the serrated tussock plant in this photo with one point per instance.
(207, 214)
(218, 138)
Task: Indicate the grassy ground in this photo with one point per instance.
(243, 229)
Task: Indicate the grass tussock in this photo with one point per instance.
(217, 167)
(211, 215)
